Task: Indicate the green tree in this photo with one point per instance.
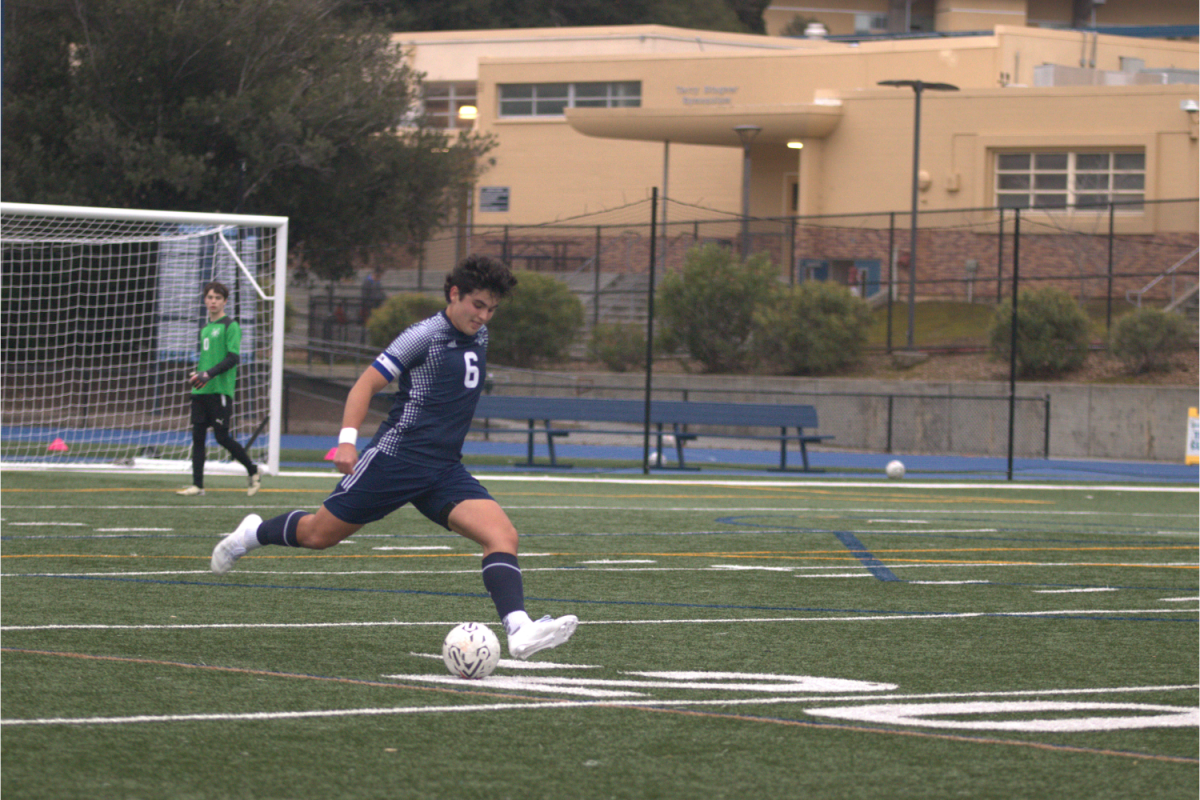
(398, 312)
(440, 15)
(620, 346)
(708, 307)
(537, 323)
(815, 328)
(283, 108)
(1052, 333)
(1145, 340)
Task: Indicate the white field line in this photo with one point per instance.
(728, 509)
(916, 616)
(536, 703)
(1074, 591)
(592, 479)
(605, 568)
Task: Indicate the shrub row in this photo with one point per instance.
(730, 316)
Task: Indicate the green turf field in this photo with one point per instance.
(770, 638)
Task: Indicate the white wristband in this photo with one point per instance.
(348, 436)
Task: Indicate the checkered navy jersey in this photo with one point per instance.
(440, 373)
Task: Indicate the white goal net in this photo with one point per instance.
(100, 315)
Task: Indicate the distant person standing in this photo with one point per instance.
(213, 382)
(373, 295)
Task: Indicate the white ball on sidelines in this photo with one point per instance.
(895, 470)
(471, 650)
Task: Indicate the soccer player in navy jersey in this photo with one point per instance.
(416, 456)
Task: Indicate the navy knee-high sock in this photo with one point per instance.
(502, 579)
(281, 530)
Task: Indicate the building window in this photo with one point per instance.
(443, 101)
(550, 99)
(866, 22)
(1079, 181)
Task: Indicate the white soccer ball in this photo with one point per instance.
(471, 650)
(895, 469)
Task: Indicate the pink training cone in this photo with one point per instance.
(332, 452)
(57, 446)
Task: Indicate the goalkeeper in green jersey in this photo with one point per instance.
(213, 383)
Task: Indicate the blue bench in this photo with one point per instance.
(541, 414)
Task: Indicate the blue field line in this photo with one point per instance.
(1083, 615)
(864, 556)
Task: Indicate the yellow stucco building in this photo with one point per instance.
(590, 119)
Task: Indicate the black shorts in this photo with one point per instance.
(212, 409)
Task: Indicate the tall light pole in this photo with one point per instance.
(918, 87)
(746, 133)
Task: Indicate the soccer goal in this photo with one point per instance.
(100, 314)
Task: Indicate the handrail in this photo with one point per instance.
(1129, 292)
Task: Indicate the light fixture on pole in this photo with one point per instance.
(746, 133)
(918, 87)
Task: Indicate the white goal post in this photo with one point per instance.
(100, 315)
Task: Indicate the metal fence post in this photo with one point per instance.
(1000, 257)
(596, 283)
(1046, 433)
(1108, 305)
(891, 403)
(1012, 338)
(650, 334)
(891, 293)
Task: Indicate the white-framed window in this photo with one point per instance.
(551, 99)
(443, 103)
(1073, 181)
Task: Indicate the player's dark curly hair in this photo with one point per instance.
(480, 272)
(215, 286)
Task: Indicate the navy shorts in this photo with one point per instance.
(381, 483)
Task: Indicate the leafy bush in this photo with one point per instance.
(398, 312)
(708, 307)
(812, 329)
(1146, 339)
(537, 323)
(1052, 333)
(620, 346)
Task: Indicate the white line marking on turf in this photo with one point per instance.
(614, 561)
(508, 663)
(133, 530)
(1073, 591)
(603, 687)
(539, 704)
(265, 715)
(429, 547)
(843, 575)
(944, 583)
(925, 715)
(1178, 599)
(919, 616)
(45, 524)
(729, 507)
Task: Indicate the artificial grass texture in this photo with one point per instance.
(742, 580)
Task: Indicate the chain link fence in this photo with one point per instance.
(1110, 258)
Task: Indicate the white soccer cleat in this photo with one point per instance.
(230, 549)
(253, 484)
(541, 635)
(191, 491)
